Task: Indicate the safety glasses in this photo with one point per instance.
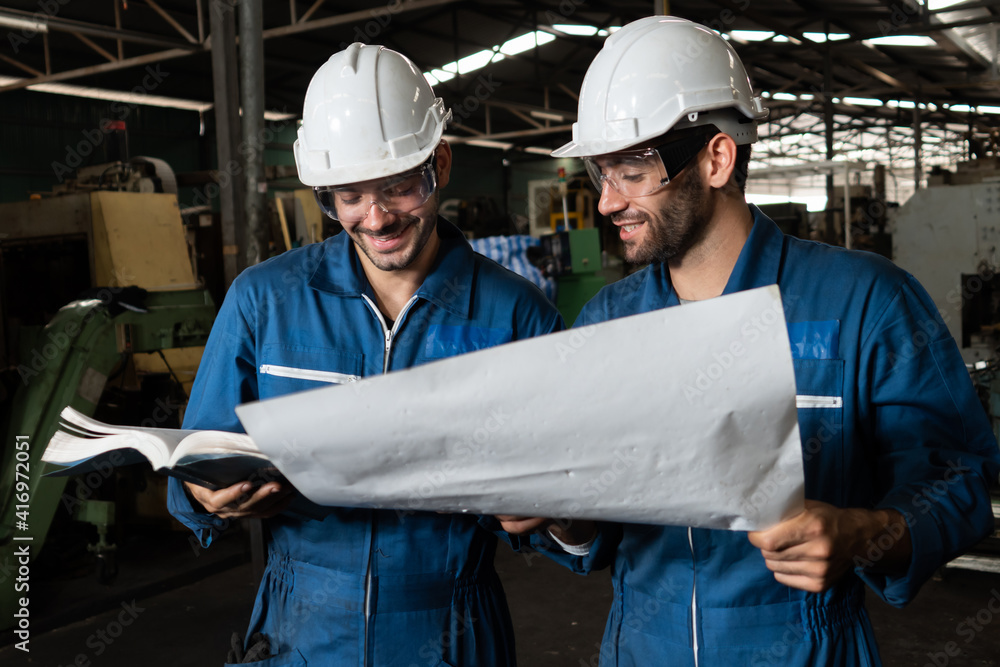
(399, 194)
(645, 171)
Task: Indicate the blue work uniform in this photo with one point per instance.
(374, 588)
(888, 417)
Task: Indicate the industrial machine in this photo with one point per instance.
(133, 340)
(573, 258)
(70, 362)
(948, 236)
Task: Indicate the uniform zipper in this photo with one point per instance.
(694, 597)
(389, 333)
(307, 374)
(819, 401)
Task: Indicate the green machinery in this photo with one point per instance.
(68, 362)
(574, 259)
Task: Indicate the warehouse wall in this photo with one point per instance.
(43, 136)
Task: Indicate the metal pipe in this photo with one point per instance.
(847, 206)
(251, 18)
(918, 139)
(118, 26)
(224, 84)
(201, 22)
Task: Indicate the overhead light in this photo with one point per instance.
(934, 5)
(538, 150)
(573, 29)
(752, 35)
(788, 97)
(131, 98)
(547, 115)
(489, 143)
(901, 40)
(820, 37)
(863, 101)
(27, 25)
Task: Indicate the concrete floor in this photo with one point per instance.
(559, 618)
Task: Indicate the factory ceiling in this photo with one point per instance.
(511, 69)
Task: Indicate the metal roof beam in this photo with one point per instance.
(147, 59)
(351, 17)
(55, 23)
(172, 21)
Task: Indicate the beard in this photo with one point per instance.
(400, 258)
(680, 224)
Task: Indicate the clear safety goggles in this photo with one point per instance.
(643, 172)
(399, 194)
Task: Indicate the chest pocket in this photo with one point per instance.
(285, 369)
(448, 341)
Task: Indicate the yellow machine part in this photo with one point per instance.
(139, 240)
(313, 216)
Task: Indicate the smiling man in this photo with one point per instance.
(887, 412)
(400, 286)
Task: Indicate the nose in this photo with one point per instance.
(611, 201)
(378, 215)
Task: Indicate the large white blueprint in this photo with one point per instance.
(681, 416)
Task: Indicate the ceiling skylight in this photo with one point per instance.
(580, 30)
(820, 37)
(934, 5)
(901, 40)
(483, 58)
(864, 101)
(757, 36)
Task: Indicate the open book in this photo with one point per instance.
(213, 459)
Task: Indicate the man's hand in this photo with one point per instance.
(243, 500)
(566, 531)
(521, 525)
(812, 550)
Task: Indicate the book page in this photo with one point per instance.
(681, 416)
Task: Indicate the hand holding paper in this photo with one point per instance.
(813, 549)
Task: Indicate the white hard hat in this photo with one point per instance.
(657, 74)
(368, 113)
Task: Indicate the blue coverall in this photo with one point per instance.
(374, 588)
(888, 418)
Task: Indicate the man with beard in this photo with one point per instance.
(399, 287)
(898, 453)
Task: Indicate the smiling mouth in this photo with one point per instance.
(632, 227)
(383, 238)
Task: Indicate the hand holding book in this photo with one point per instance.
(243, 500)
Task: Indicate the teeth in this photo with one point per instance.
(631, 228)
(383, 239)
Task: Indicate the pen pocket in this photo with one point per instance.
(284, 369)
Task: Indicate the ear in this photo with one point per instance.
(443, 163)
(721, 151)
